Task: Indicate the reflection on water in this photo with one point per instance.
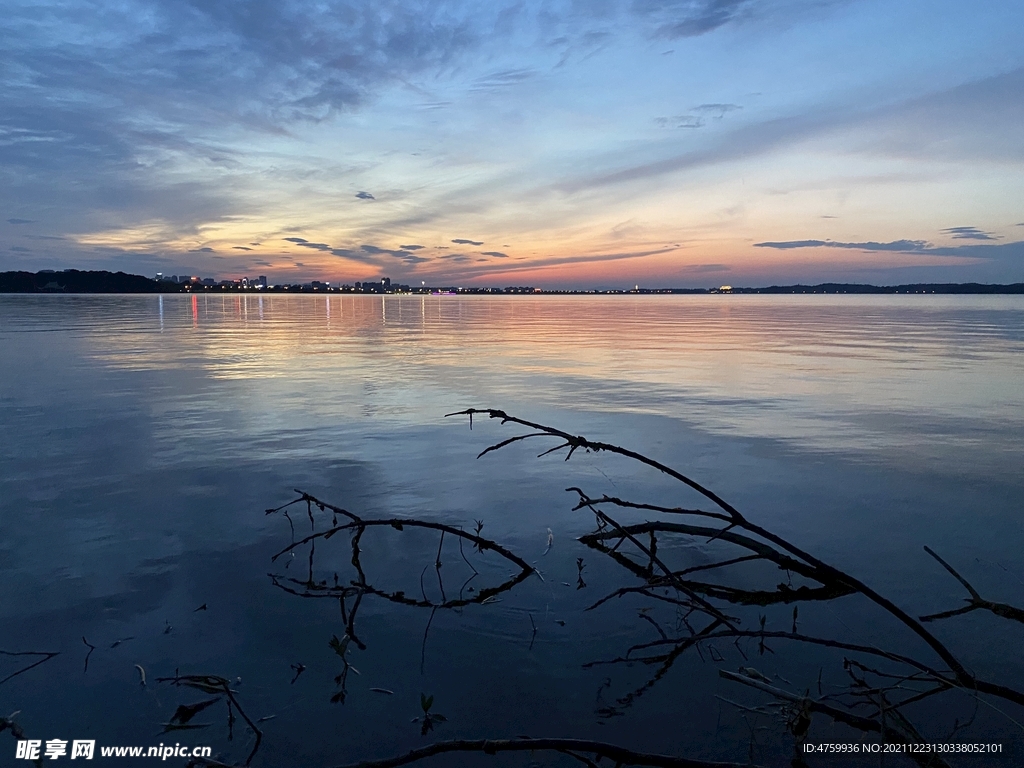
(833, 373)
(147, 434)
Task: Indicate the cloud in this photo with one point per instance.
(458, 258)
(1011, 252)
(464, 241)
(303, 243)
(903, 246)
(968, 233)
(161, 110)
(553, 261)
(744, 142)
(680, 121)
(701, 269)
(495, 254)
(109, 118)
(202, 250)
(347, 253)
(501, 80)
(364, 253)
(241, 248)
(940, 125)
(411, 247)
(717, 111)
(21, 221)
(19, 249)
(690, 18)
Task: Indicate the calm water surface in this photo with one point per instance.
(144, 437)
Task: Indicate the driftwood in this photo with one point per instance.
(34, 659)
(874, 701)
(711, 610)
(221, 689)
(350, 593)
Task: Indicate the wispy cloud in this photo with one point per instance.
(1005, 251)
(717, 111)
(303, 243)
(464, 241)
(21, 221)
(704, 269)
(553, 261)
(406, 256)
(680, 121)
(904, 246)
(691, 18)
(365, 253)
(932, 125)
(968, 233)
(365, 196)
(501, 80)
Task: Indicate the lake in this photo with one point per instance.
(145, 436)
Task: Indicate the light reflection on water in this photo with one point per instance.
(146, 434)
(834, 373)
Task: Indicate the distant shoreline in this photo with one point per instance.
(78, 281)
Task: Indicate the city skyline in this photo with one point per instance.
(690, 143)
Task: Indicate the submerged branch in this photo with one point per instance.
(964, 677)
(975, 602)
(45, 657)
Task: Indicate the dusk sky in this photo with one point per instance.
(581, 144)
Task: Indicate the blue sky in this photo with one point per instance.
(601, 143)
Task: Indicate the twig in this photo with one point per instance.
(976, 601)
(46, 656)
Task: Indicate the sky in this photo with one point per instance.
(563, 143)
